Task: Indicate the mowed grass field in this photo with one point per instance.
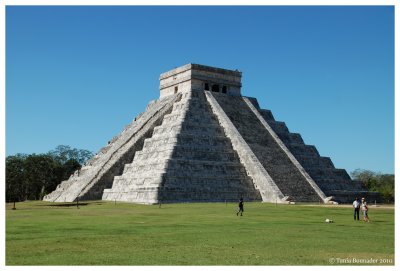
(104, 233)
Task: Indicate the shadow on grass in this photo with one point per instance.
(70, 204)
(64, 204)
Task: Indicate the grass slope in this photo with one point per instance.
(101, 233)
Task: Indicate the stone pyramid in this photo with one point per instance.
(202, 141)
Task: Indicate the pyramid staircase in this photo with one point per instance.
(188, 158)
(98, 173)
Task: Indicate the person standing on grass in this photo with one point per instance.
(356, 205)
(240, 207)
(364, 209)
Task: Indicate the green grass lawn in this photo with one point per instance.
(102, 233)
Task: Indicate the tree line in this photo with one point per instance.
(32, 176)
(377, 182)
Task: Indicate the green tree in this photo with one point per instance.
(64, 153)
(386, 187)
(41, 173)
(69, 167)
(377, 182)
(35, 175)
(15, 178)
(367, 177)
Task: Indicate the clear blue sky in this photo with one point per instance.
(77, 75)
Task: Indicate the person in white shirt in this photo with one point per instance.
(356, 205)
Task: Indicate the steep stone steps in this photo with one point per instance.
(331, 180)
(315, 162)
(286, 176)
(187, 153)
(188, 139)
(98, 172)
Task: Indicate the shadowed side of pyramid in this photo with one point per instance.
(332, 181)
(287, 177)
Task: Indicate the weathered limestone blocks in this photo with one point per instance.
(333, 182)
(262, 180)
(98, 173)
(292, 159)
(199, 77)
(195, 161)
(291, 179)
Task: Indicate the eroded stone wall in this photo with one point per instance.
(97, 173)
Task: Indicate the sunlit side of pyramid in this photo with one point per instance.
(201, 141)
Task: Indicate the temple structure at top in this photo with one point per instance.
(200, 77)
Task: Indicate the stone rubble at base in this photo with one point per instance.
(201, 141)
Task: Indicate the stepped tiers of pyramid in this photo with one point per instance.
(202, 141)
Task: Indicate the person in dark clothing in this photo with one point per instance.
(356, 206)
(240, 207)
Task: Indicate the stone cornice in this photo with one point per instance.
(199, 67)
(202, 78)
